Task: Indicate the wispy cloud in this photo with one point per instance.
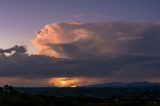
(94, 17)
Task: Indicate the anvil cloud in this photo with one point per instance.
(80, 40)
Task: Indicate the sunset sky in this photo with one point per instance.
(80, 42)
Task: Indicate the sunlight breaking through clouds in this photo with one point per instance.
(83, 53)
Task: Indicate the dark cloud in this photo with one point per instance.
(148, 44)
(125, 67)
(16, 49)
(113, 51)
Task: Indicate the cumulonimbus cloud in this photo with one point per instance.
(80, 40)
(109, 51)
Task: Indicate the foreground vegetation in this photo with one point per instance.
(10, 97)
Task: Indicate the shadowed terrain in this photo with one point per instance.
(80, 96)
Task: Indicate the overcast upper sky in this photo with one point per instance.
(99, 40)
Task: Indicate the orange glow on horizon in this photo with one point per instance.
(66, 82)
(72, 81)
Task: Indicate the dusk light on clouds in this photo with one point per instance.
(76, 43)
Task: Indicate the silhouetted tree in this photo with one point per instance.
(8, 88)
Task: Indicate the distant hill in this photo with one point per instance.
(132, 84)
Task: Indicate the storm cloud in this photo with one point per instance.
(100, 52)
(80, 40)
(106, 69)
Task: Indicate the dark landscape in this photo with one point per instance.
(113, 94)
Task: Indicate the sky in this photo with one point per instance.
(64, 36)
